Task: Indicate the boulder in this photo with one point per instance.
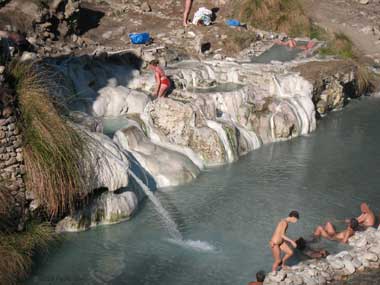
(182, 124)
(370, 256)
(108, 165)
(167, 167)
(116, 101)
(349, 267)
(108, 208)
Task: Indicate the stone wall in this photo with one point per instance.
(12, 167)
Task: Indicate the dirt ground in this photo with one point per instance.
(164, 23)
(361, 23)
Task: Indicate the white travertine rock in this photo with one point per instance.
(117, 101)
(167, 167)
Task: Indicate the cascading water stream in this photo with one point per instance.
(169, 223)
(172, 228)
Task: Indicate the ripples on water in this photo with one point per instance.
(229, 213)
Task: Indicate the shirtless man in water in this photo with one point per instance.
(329, 231)
(367, 218)
(277, 243)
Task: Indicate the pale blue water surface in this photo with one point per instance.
(234, 209)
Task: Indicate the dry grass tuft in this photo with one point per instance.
(341, 45)
(17, 249)
(53, 150)
(277, 15)
(364, 79)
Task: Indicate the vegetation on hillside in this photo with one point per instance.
(53, 150)
(277, 15)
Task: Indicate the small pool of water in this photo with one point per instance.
(278, 53)
(233, 210)
(218, 88)
(112, 124)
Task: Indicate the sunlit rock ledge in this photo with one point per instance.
(363, 254)
(217, 112)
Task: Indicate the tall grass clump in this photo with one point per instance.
(339, 44)
(277, 15)
(18, 248)
(53, 150)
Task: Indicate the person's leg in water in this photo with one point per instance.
(321, 232)
(276, 252)
(188, 4)
(330, 229)
(288, 253)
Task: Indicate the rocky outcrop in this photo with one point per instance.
(182, 124)
(116, 101)
(49, 19)
(363, 254)
(218, 111)
(333, 85)
(108, 165)
(108, 208)
(168, 168)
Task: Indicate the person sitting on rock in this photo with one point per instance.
(260, 277)
(367, 218)
(278, 244)
(293, 44)
(305, 249)
(162, 81)
(329, 231)
(188, 4)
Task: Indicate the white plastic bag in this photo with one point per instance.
(203, 14)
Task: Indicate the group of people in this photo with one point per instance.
(280, 243)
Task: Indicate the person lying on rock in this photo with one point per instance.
(162, 81)
(367, 218)
(278, 241)
(305, 249)
(188, 4)
(260, 277)
(293, 44)
(329, 231)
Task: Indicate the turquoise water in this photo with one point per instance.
(234, 209)
(278, 53)
(217, 88)
(112, 124)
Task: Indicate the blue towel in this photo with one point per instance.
(233, 22)
(139, 38)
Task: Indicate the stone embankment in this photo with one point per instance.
(364, 254)
(12, 167)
